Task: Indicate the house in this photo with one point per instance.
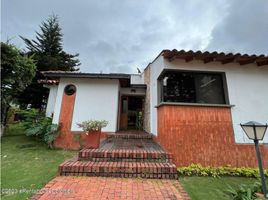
(192, 102)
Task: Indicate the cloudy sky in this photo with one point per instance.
(121, 35)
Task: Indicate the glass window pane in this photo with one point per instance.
(192, 87)
(179, 87)
(209, 88)
(124, 105)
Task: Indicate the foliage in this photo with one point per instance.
(17, 73)
(39, 126)
(198, 170)
(12, 111)
(30, 116)
(92, 125)
(244, 192)
(47, 50)
(203, 188)
(15, 129)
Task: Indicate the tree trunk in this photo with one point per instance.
(2, 130)
(4, 119)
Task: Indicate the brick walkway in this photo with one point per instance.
(130, 144)
(103, 188)
(122, 155)
(116, 171)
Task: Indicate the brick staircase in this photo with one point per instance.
(122, 155)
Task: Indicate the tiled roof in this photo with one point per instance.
(224, 58)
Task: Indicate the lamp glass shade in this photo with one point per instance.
(249, 130)
(260, 132)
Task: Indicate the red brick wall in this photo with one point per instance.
(203, 135)
(67, 138)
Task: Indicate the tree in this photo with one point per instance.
(47, 50)
(17, 72)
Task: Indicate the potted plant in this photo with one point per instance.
(92, 130)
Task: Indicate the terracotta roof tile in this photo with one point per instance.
(224, 58)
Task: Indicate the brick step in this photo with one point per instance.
(124, 155)
(118, 169)
(130, 136)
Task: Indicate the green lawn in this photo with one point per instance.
(14, 129)
(202, 188)
(28, 164)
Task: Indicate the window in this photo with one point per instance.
(70, 89)
(192, 87)
(124, 105)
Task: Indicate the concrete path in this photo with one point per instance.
(103, 188)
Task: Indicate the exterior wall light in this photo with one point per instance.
(256, 131)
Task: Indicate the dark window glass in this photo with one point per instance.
(124, 105)
(70, 89)
(209, 88)
(192, 87)
(180, 87)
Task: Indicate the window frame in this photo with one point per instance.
(160, 91)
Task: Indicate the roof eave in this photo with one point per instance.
(207, 57)
(85, 75)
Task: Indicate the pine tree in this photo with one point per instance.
(47, 50)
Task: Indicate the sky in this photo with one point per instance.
(119, 36)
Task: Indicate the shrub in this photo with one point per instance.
(198, 170)
(92, 125)
(11, 112)
(39, 126)
(31, 116)
(244, 192)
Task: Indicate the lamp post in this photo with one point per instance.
(256, 131)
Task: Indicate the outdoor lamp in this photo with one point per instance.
(256, 131)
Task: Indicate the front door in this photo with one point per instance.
(131, 115)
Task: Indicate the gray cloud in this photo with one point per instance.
(244, 30)
(120, 35)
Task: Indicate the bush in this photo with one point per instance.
(198, 170)
(244, 192)
(39, 126)
(92, 125)
(31, 116)
(11, 113)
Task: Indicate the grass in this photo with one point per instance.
(202, 188)
(26, 163)
(14, 129)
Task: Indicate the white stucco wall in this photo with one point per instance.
(51, 100)
(247, 89)
(136, 79)
(95, 99)
(155, 69)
